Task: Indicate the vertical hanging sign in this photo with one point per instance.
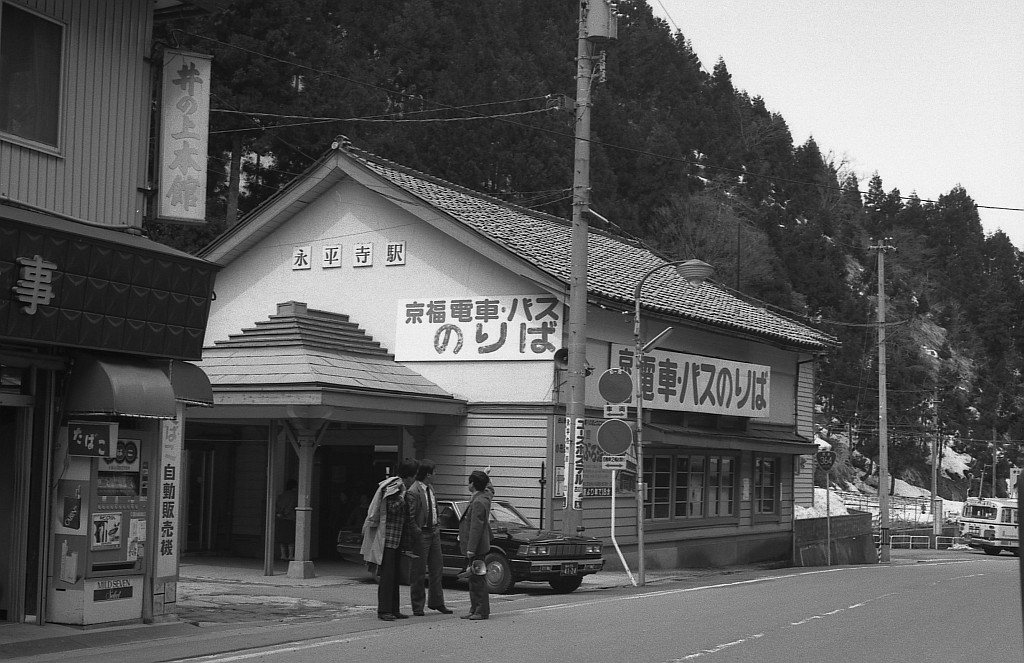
(168, 512)
(579, 435)
(184, 133)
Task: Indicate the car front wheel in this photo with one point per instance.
(499, 573)
(566, 584)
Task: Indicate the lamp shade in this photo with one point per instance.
(695, 271)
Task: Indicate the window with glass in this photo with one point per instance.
(766, 485)
(690, 486)
(30, 75)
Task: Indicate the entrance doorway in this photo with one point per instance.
(200, 479)
(8, 444)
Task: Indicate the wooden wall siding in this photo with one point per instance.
(104, 123)
(803, 482)
(513, 445)
(805, 390)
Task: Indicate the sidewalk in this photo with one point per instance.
(232, 593)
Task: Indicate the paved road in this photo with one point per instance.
(923, 603)
(937, 609)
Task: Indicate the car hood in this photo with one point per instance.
(535, 535)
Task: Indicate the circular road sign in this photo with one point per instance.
(614, 437)
(615, 386)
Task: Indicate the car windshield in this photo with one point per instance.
(505, 513)
(501, 512)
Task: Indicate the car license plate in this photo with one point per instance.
(570, 568)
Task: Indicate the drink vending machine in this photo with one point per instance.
(101, 511)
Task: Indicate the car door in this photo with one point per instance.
(448, 521)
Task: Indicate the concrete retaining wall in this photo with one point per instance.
(851, 540)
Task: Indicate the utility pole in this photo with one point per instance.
(883, 422)
(995, 460)
(937, 511)
(597, 24)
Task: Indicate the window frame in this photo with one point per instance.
(668, 478)
(61, 84)
(758, 499)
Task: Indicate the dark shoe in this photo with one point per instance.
(469, 616)
(387, 617)
(399, 615)
(442, 609)
(476, 616)
(417, 613)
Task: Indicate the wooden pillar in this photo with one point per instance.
(306, 442)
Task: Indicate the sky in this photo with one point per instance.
(927, 93)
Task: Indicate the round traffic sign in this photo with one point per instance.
(614, 437)
(615, 386)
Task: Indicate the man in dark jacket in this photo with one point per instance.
(425, 574)
(475, 542)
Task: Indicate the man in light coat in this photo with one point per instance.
(389, 530)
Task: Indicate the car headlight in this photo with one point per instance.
(528, 550)
(593, 548)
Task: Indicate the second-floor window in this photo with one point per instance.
(30, 75)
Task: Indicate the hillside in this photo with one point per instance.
(478, 92)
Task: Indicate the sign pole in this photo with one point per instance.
(828, 525)
(615, 543)
(826, 459)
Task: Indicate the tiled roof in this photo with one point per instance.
(614, 266)
(299, 346)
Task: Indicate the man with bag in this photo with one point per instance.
(389, 530)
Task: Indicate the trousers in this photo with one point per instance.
(427, 570)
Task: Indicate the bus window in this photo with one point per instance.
(980, 512)
(1010, 516)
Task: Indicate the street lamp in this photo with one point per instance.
(695, 272)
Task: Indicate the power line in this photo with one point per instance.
(639, 152)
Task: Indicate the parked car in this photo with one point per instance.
(519, 550)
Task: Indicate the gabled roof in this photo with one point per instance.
(529, 242)
(308, 349)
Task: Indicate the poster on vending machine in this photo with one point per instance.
(136, 538)
(106, 531)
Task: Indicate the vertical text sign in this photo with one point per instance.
(167, 510)
(184, 133)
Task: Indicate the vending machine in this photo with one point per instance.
(101, 511)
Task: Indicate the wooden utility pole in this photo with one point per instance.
(883, 422)
(937, 511)
(995, 460)
(597, 24)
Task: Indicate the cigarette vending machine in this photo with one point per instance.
(101, 512)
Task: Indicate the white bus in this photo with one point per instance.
(991, 524)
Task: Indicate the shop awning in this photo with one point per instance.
(120, 387)
(766, 439)
(190, 384)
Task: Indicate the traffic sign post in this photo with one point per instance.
(615, 436)
(826, 459)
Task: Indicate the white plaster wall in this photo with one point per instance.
(251, 287)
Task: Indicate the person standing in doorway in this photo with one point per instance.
(475, 542)
(388, 529)
(425, 575)
(284, 508)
